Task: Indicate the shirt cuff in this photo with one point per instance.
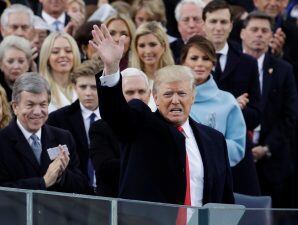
(110, 80)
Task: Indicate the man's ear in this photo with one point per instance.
(242, 33)
(155, 99)
(14, 107)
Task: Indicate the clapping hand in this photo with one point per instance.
(108, 50)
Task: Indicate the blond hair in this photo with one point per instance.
(174, 73)
(157, 30)
(46, 71)
(6, 112)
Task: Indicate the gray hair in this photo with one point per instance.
(31, 82)
(198, 3)
(16, 8)
(130, 72)
(174, 73)
(15, 42)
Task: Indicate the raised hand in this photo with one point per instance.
(108, 50)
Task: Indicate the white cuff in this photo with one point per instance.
(110, 80)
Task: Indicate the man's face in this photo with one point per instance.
(18, 24)
(87, 92)
(31, 110)
(54, 7)
(257, 35)
(271, 7)
(218, 26)
(174, 100)
(190, 22)
(135, 87)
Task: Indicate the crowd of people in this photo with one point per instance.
(181, 102)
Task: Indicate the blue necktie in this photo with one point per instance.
(36, 147)
(56, 25)
(90, 168)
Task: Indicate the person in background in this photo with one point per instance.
(148, 10)
(104, 146)
(41, 31)
(82, 37)
(5, 110)
(78, 117)
(76, 6)
(150, 49)
(213, 107)
(59, 56)
(279, 104)
(119, 25)
(188, 14)
(15, 58)
(17, 20)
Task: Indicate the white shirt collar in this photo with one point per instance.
(26, 133)
(86, 112)
(224, 50)
(261, 61)
(50, 20)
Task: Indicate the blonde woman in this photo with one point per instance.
(5, 112)
(150, 49)
(119, 25)
(59, 56)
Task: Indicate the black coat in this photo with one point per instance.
(70, 118)
(105, 155)
(153, 153)
(20, 169)
(241, 76)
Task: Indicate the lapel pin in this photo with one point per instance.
(270, 71)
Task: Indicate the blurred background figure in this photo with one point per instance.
(5, 110)
(82, 37)
(150, 49)
(17, 20)
(15, 59)
(41, 31)
(119, 25)
(59, 56)
(148, 10)
(213, 107)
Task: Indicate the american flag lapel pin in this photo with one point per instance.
(270, 71)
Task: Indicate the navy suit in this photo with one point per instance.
(153, 153)
(279, 112)
(70, 118)
(20, 169)
(241, 76)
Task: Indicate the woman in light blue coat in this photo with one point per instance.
(213, 107)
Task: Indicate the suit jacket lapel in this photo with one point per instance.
(77, 121)
(267, 78)
(205, 158)
(47, 141)
(232, 61)
(23, 147)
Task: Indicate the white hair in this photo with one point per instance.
(16, 8)
(133, 72)
(199, 3)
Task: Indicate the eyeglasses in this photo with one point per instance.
(16, 27)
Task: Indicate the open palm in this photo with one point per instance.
(109, 51)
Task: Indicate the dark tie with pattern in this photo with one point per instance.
(217, 72)
(36, 147)
(90, 168)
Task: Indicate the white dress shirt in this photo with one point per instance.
(51, 20)
(28, 134)
(224, 56)
(196, 168)
(86, 117)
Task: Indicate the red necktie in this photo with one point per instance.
(182, 212)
